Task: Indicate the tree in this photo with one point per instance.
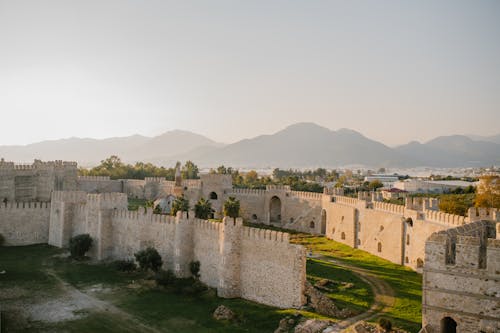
(149, 259)
(488, 192)
(203, 209)
(375, 184)
(232, 207)
(180, 204)
(457, 204)
(79, 245)
(190, 170)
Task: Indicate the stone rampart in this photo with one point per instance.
(461, 276)
(24, 223)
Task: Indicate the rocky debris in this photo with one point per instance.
(364, 327)
(312, 326)
(288, 323)
(321, 303)
(223, 313)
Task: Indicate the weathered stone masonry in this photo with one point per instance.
(462, 279)
(255, 264)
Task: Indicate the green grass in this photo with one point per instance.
(31, 269)
(407, 284)
(359, 297)
(134, 204)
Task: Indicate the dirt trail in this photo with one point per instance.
(384, 295)
(88, 301)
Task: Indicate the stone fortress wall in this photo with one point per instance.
(35, 182)
(259, 265)
(461, 287)
(394, 232)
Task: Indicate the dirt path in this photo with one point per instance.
(83, 299)
(384, 295)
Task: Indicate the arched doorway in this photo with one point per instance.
(448, 325)
(213, 196)
(275, 210)
(323, 222)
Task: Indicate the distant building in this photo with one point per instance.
(431, 186)
(387, 180)
(393, 193)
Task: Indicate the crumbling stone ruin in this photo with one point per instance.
(461, 290)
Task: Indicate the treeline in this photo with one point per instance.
(116, 169)
(297, 180)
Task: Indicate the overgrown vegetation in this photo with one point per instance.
(125, 265)
(79, 245)
(180, 204)
(232, 207)
(31, 271)
(203, 209)
(407, 284)
(149, 259)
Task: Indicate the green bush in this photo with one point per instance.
(2, 240)
(385, 323)
(149, 259)
(194, 267)
(165, 278)
(125, 265)
(79, 245)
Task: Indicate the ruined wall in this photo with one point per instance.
(35, 182)
(24, 223)
(99, 184)
(461, 279)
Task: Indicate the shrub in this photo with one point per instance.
(125, 265)
(385, 323)
(149, 259)
(2, 240)
(165, 278)
(79, 245)
(232, 207)
(194, 267)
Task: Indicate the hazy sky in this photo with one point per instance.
(393, 70)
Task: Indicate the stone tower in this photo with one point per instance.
(230, 248)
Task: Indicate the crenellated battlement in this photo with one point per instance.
(388, 207)
(471, 246)
(247, 191)
(94, 178)
(206, 225)
(333, 191)
(285, 188)
(265, 235)
(444, 218)
(306, 195)
(481, 213)
(154, 179)
(139, 217)
(69, 196)
(191, 183)
(348, 201)
(24, 205)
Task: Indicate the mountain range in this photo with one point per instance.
(301, 145)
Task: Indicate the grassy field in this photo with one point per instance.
(134, 204)
(40, 277)
(406, 283)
